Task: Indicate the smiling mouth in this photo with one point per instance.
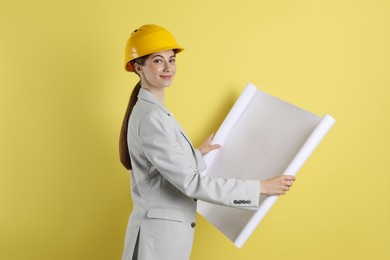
(166, 77)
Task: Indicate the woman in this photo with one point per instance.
(165, 167)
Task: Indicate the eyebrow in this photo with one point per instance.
(158, 55)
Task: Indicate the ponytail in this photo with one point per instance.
(123, 147)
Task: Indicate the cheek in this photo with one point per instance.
(151, 71)
(155, 70)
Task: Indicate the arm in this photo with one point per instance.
(177, 165)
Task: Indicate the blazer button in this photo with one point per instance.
(195, 200)
(248, 202)
(235, 201)
(193, 224)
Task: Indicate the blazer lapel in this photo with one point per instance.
(186, 137)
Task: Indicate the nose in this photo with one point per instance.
(168, 67)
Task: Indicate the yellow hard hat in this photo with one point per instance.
(149, 39)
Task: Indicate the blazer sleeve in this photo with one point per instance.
(158, 140)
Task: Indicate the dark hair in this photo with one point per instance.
(123, 146)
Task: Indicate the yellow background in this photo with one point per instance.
(63, 92)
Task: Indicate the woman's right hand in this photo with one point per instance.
(276, 186)
(207, 147)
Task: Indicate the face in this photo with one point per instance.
(158, 71)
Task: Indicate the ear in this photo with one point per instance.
(137, 68)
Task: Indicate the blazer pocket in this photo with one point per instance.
(166, 214)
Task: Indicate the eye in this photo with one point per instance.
(173, 60)
(158, 61)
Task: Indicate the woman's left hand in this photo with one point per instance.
(207, 147)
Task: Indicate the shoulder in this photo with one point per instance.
(148, 115)
(143, 109)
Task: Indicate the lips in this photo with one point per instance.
(166, 77)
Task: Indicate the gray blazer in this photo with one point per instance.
(165, 184)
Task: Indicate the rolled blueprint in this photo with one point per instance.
(261, 137)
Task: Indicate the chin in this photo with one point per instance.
(166, 85)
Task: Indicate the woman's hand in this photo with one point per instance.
(207, 147)
(277, 186)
